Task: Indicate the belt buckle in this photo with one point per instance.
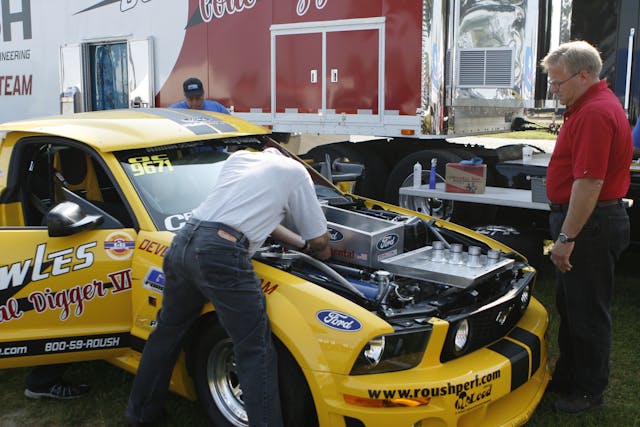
(227, 236)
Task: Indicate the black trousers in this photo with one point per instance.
(583, 299)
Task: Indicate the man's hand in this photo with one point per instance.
(560, 255)
(318, 247)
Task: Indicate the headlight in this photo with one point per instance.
(374, 350)
(393, 352)
(461, 336)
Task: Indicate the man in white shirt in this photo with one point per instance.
(210, 260)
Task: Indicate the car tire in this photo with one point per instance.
(464, 213)
(218, 387)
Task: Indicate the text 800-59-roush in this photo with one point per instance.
(411, 322)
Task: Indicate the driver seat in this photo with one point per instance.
(77, 169)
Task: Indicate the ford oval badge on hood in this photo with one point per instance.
(338, 320)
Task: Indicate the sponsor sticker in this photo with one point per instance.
(335, 235)
(154, 280)
(338, 320)
(119, 245)
(387, 242)
(387, 254)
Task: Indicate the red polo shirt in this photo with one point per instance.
(594, 142)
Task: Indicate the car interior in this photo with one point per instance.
(52, 173)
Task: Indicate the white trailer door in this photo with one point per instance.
(141, 76)
(109, 74)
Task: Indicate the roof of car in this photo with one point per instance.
(136, 128)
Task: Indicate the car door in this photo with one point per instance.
(64, 298)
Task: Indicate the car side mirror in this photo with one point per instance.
(67, 218)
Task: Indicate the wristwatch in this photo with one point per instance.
(563, 238)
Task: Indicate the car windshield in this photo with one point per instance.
(173, 180)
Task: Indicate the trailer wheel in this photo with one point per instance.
(459, 212)
(218, 388)
(402, 176)
(372, 183)
(528, 243)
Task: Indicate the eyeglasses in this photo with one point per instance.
(558, 84)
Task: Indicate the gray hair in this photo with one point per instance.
(575, 56)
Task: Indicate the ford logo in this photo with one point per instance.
(338, 320)
(388, 242)
(335, 235)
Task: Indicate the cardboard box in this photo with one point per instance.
(465, 178)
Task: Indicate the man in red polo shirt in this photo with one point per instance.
(587, 176)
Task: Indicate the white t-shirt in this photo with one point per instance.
(256, 191)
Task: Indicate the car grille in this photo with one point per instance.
(485, 327)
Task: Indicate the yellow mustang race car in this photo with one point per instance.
(412, 321)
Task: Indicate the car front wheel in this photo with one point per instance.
(218, 386)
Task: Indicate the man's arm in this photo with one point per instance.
(318, 246)
(584, 196)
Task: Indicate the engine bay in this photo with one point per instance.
(405, 267)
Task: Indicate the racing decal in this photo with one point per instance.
(64, 345)
(120, 280)
(387, 242)
(533, 342)
(362, 256)
(149, 165)
(343, 253)
(338, 320)
(10, 311)
(176, 222)
(388, 254)
(43, 265)
(267, 287)
(119, 245)
(70, 300)
(469, 394)
(154, 280)
(152, 247)
(192, 120)
(66, 298)
(335, 235)
(525, 363)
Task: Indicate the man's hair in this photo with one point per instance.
(575, 56)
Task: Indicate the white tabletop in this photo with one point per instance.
(492, 196)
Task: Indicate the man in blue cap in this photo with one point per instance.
(194, 98)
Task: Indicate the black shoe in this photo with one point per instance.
(578, 404)
(62, 391)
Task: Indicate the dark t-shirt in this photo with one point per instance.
(594, 142)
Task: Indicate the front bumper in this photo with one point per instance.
(499, 385)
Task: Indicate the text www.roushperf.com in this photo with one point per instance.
(409, 393)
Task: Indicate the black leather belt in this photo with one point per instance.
(563, 207)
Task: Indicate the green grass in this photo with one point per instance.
(526, 134)
(105, 404)
(620, 408)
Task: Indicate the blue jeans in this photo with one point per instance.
(583, 299)
(201, 266)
